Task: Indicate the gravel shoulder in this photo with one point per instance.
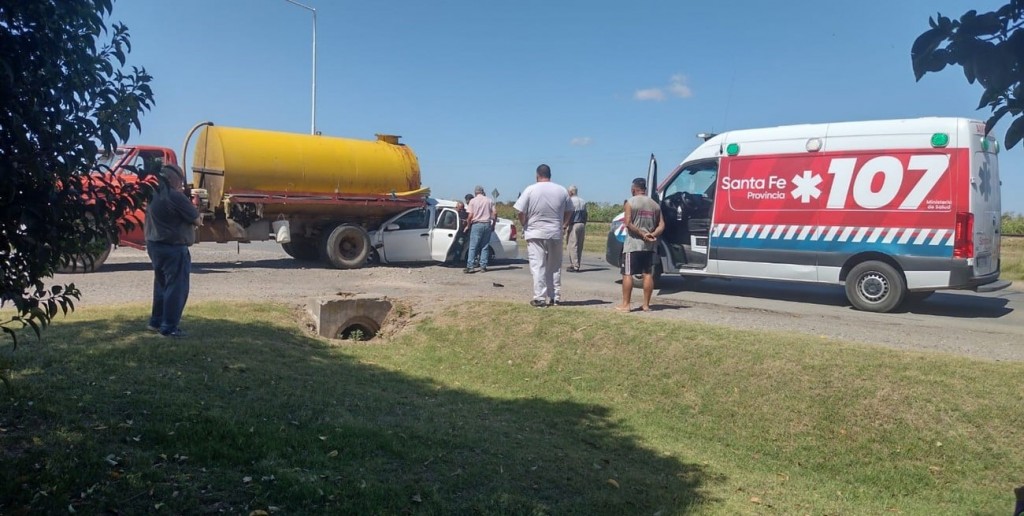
(987, 327)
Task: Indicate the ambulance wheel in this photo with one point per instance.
(345, 247)
(875, 287)
(302, 249)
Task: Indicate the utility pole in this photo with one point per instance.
(312, 125)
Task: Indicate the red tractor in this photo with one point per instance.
(127, 164)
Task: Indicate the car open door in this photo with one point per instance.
(442, 237)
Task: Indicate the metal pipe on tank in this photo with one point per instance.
(184, 146)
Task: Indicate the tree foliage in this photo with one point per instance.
(990, 49)
(65, 94)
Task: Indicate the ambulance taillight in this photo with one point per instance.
(963, 238)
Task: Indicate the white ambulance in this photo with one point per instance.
(893, 209)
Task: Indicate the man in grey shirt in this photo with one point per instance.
(170, 230)
(576, 229)
(644, 224)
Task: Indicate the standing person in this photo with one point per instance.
(482, 216)
(170, 224)
(644, 225)
(544, 208)
(576, 229)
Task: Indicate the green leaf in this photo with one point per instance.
(994, 119)
(1014, 133)
(35, 327)
(923, 51)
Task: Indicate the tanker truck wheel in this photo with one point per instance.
(346, 247)
(302, 249)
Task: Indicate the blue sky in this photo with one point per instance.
(483, 92)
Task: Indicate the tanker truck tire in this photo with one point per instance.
(83, 264)
(302, 249)
(346, 247)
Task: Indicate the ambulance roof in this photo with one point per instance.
(835, 136)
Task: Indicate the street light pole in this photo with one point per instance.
(312, 126)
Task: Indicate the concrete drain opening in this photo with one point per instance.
(358, 317)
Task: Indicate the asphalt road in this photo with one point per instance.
(984, 326)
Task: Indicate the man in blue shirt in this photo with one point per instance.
(171, 219)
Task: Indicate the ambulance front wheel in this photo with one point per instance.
(875, 287)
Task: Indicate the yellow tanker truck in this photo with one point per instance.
(316, 195)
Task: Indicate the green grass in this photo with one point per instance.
(550, 412)
(1012, 258)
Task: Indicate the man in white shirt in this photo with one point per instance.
(544, 207)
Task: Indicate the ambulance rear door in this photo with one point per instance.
(985, 203)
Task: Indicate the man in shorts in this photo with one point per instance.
(644, 225)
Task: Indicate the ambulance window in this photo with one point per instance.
(697, 178)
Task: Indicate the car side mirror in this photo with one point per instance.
(392, 227)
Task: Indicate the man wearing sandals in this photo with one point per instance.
(644, 225)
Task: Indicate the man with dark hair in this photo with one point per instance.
(644, 224)
(170, 230)
(544, 208)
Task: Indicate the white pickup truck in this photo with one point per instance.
(428, 233)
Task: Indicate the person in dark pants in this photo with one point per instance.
(461, 236)
(171, 219)
(481, 219)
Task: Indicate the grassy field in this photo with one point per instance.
(558, 412)
(1012, 256)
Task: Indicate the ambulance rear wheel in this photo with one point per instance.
(345, 247)
(875, 287)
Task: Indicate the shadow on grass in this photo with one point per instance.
(249, 416)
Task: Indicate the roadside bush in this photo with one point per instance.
(1012, 224)
(602, 212)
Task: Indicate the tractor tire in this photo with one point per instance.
(83, 264)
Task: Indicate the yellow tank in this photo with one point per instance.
(269, 167)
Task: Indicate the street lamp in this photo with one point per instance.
(312, 126)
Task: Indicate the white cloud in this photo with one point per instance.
(679, 88)
(580, 141)
(649, 94)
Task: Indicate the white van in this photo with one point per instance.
(893, 209)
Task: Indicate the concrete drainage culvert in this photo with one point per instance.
(356, 317)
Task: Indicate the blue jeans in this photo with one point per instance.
(479, 244)
(172, 265)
